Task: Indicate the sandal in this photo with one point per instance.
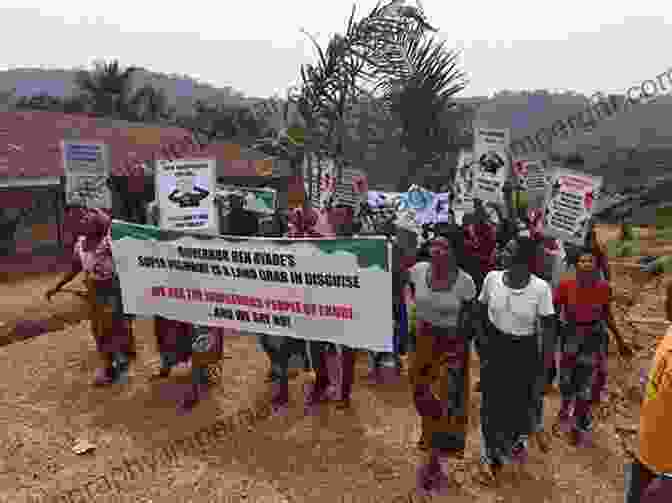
(104, 377)
(488, 474)
(543, 442)
(423, 444)
(161, 374)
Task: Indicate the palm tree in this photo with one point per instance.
(108, 89)
(384, 50)
(421, 76)
(149, 104)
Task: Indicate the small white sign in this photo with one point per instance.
(186, 194)
(492, 161)
(87, 171)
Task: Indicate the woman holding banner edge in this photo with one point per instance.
(93, 256)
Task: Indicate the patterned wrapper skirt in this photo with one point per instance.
(510, 394)
(583, 354)
(179, 341)
(110, 330)
(440, 375)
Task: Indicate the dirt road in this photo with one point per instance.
(229, 450)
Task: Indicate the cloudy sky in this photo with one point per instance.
(256, 46)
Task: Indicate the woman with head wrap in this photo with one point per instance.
(602, 268)
(334, 364)
(93, 256)
(480, 244)
(281, 349)
(443, 296)
(585, 303)
(513, 304)
(480, 253)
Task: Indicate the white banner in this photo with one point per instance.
(186, 194)
(334, 290)
(491, 156)
(569, 205)
(87, 171)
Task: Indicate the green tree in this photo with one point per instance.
(384, 56)
(149, 104)
(422, 79)
(108, 90)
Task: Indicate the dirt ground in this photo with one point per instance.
(241, 454)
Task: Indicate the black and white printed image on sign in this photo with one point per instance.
(186, 194)
(531, 174)
(465, 177)
(87, 171)
(569, 205)
(491, 157)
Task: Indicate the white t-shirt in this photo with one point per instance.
(440, 308)
(516, 312)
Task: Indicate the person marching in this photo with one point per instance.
(345, 225)
(386, 367)
(624, 350)
(93, 256)
(179, 342)
(480, 245)
(648, 477)
(586, 305)
(443, 296)
(512, 304)
(280, 349)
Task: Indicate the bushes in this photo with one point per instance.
(617, 248)
(412, 320)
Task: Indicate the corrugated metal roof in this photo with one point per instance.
(30, 145)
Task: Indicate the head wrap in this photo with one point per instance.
(95, 222)
(535, 217)
(302, 224)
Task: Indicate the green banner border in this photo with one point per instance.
(370, 251)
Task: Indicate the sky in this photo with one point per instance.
(257, 47)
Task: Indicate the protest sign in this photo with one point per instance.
(410, 210)
(87, 171)
(335, 290)
(345, 193)
(492, 163)
(465, 177)
(531, 175)
(323, 179)
(568, 205)
(186, 194)
(263, 201)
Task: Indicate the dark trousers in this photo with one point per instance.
(320, 351)
(637, 479)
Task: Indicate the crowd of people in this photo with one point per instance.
(535, 309)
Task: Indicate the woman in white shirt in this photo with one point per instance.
(513, 304)
(443, 296)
